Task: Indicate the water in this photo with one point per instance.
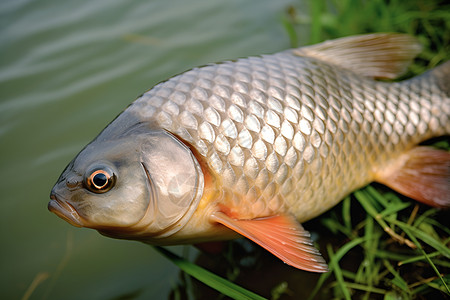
(67, 68)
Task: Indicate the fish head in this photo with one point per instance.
(145, 183)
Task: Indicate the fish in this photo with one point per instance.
(256, 146)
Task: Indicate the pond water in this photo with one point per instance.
(67, 68)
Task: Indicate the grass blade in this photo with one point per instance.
(413, 238)
(216, 282)
(338, 273)
(430, 240)
(333, 263)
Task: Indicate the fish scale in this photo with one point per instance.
(255, 145)
(285, 132)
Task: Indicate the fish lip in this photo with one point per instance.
(65, 211)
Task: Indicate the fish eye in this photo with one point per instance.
(100, 180)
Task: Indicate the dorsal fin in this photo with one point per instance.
(377, 55)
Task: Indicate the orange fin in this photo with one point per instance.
(281, 235)
(423, 174)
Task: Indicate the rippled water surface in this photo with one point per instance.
(67, 68)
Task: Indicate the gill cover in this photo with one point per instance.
(176, 182)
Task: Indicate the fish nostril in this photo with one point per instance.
(71, 183)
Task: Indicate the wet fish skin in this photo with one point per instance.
(258, 143)
(289, 133)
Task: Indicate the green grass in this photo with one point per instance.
(404, 250)
(379, 245)
(223, 286)
(429, 20)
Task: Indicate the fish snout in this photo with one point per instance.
(64, 210)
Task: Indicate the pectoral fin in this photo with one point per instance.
(281, 235)
(423, 174)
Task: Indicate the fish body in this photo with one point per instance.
(254, 145)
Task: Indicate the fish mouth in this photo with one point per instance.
(65, 211)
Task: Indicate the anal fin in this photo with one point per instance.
(281, 235)
(423, 174)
